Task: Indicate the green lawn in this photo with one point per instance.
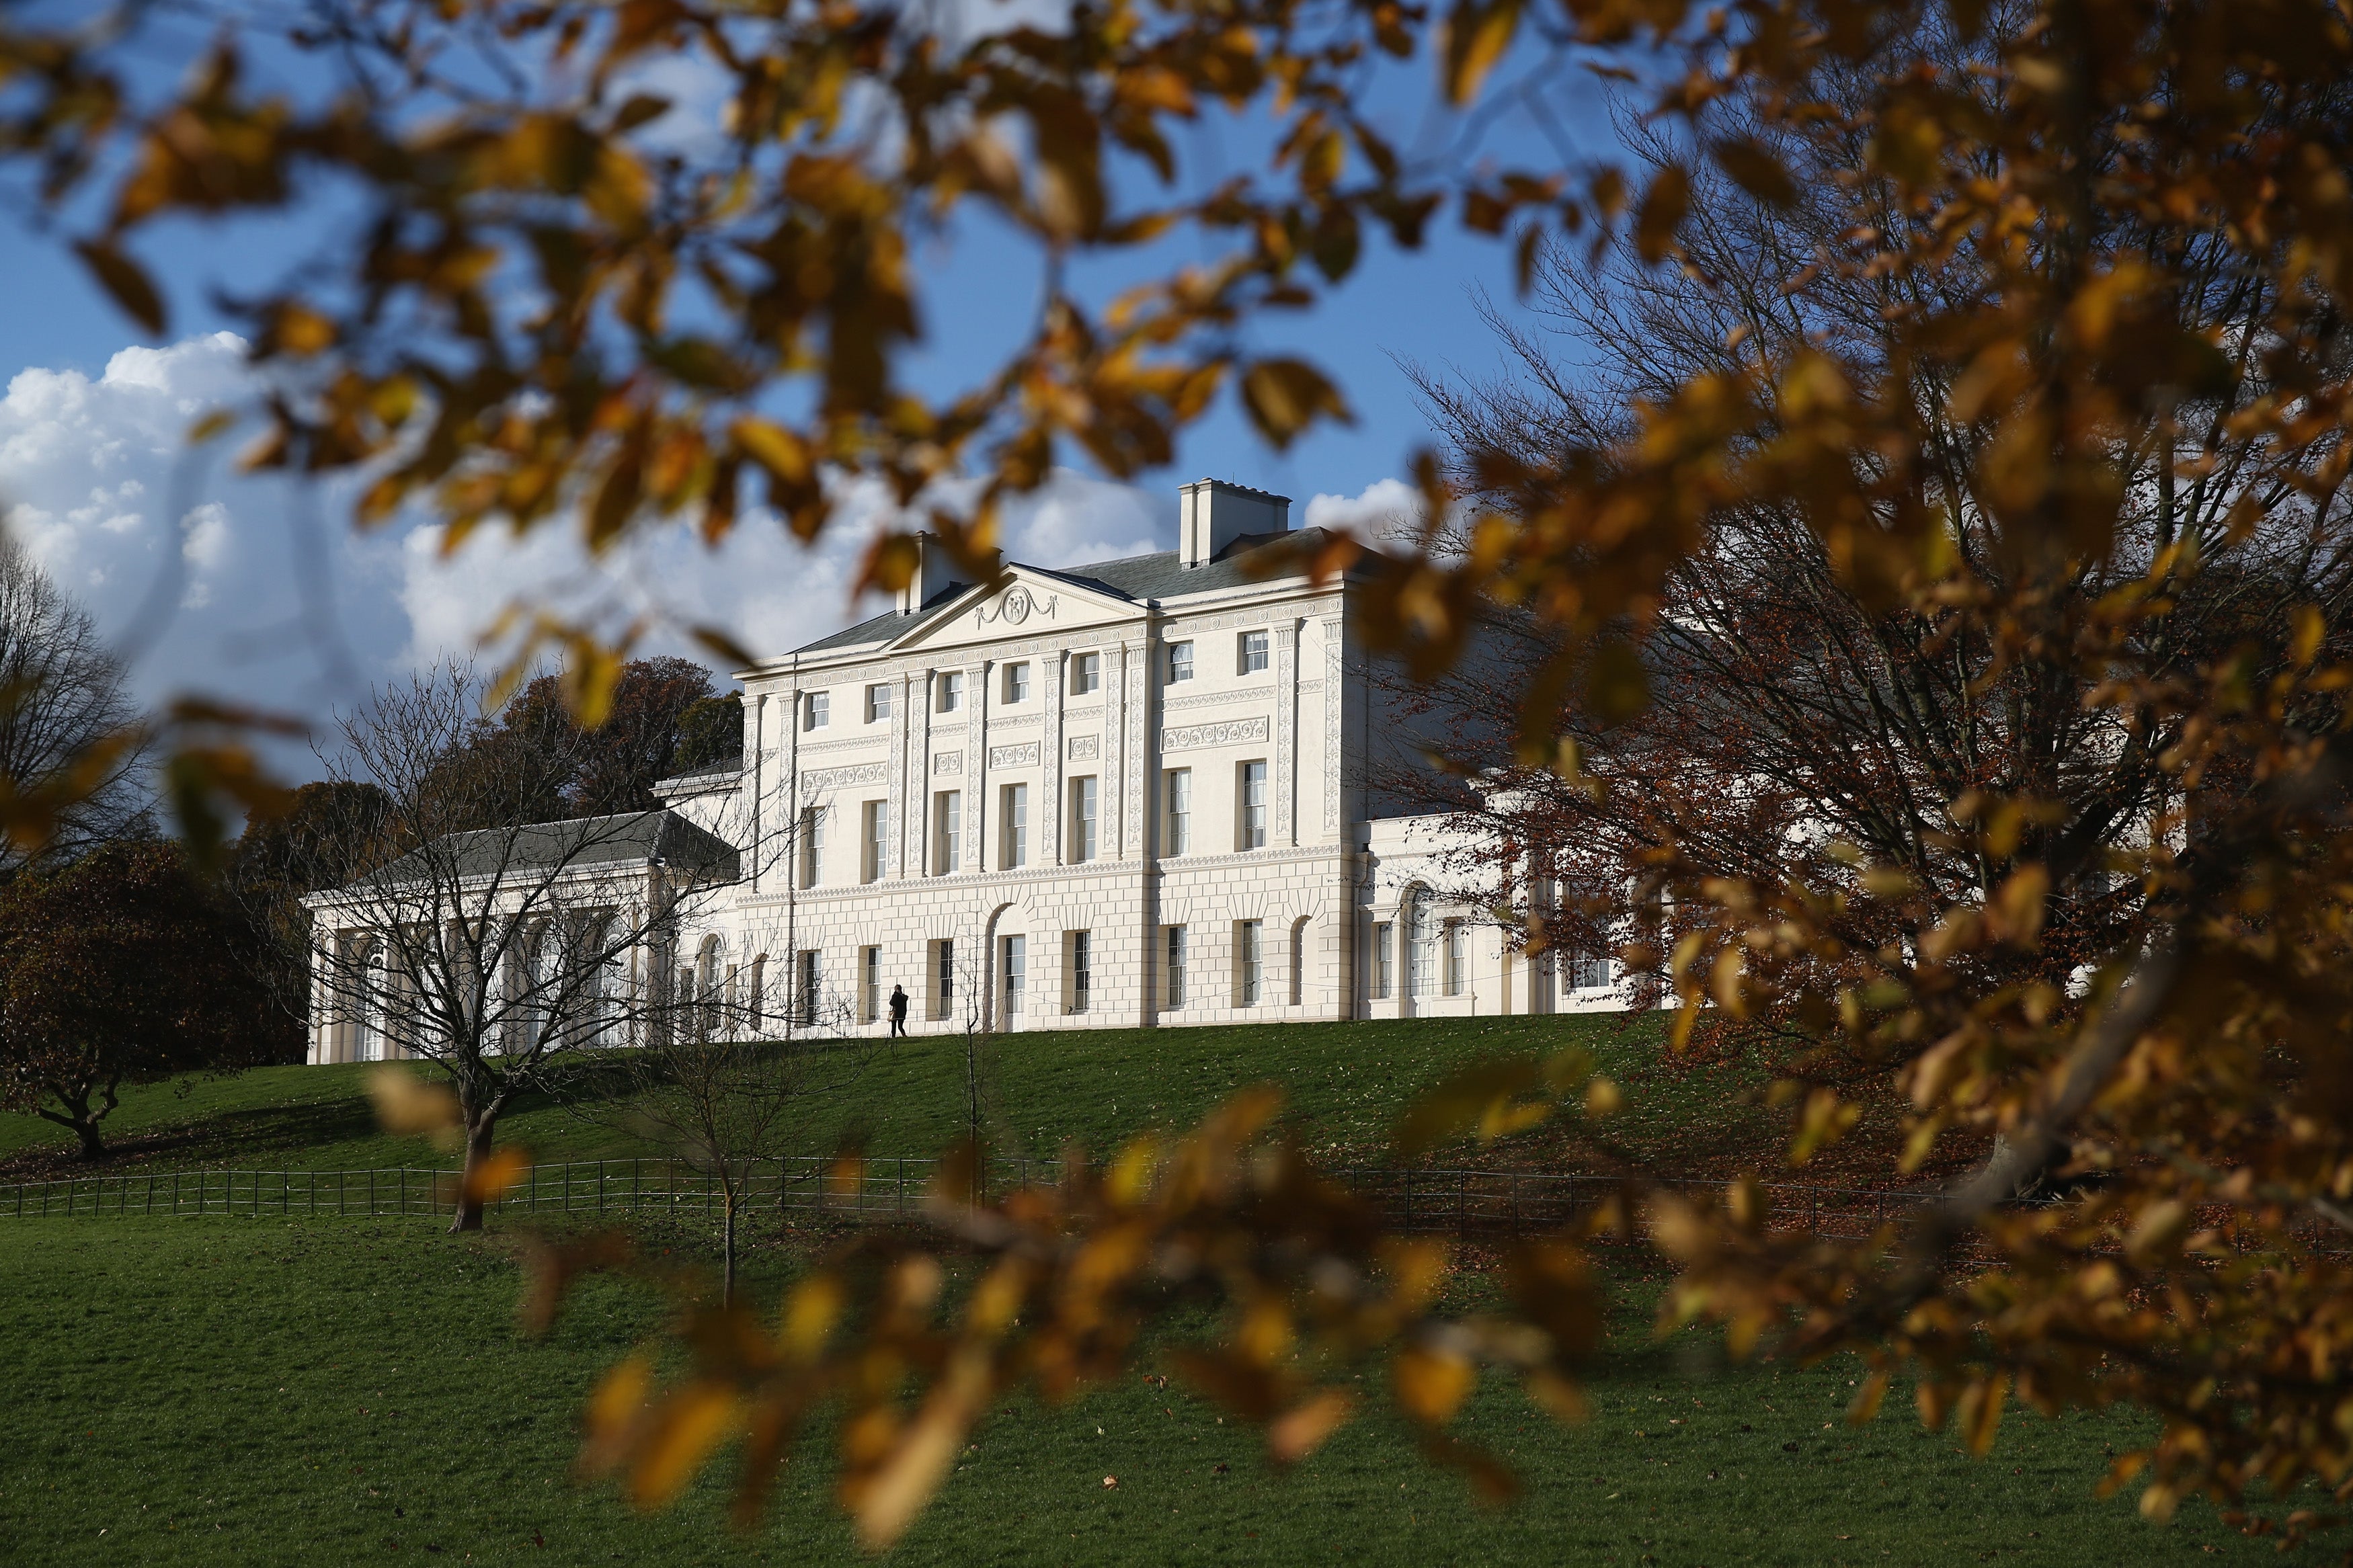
(1347, 1083)
(226, 1390)
(200, 1392)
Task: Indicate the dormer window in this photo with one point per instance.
(815, 710)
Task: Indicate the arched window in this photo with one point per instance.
(538, 976)
(708, 979)
(368, 1001)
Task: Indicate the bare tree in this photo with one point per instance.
(467, 934)
(728, 1098)
(68, 728)
(1788, 708)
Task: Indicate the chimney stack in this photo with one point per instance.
(1211, 514)
(930, 578)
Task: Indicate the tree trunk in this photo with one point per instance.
(79, 1119)
(727, 1253)
(478, 1149)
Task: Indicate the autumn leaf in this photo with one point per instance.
(126, 282)
(1285, 396)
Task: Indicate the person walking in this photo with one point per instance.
(898, 1010)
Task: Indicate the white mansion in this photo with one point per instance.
(1124, 794)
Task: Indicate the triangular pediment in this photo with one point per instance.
(1026, 602)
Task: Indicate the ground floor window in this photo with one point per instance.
(1457, 957)
(1175, 966)
(1588, 970)
(812, 978)
(1249, 961)
(870, 977)
(1384, 955)
(1016, 956)
(1082, 968)
(941, 971)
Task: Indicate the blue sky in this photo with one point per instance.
(91, 468)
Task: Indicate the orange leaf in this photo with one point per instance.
(1299, 1432)
(499, 1169)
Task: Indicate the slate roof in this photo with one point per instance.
(622, 838)
(708, 773)
(1134, 578)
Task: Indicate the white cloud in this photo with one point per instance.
(184, 563)
(761, 586)
(256, 589)
(1385, 509)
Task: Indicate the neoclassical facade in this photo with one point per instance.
(1125, 794)
(1118, 794)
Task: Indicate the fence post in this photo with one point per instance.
(1462, 1205)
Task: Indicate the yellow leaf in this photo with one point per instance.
(302, 332)
(1476, 37)
(685, 1428)
(2019, 903)
(771, 447)
(914, 1469)
(497, 1171)
(1866, 1401)
(811, 1310)
(1478, 1096)
(618, 1402)
(1978, 1412)
(405, 1105)
(1299, 1432)
(2311, 628)
(1285, 396)
(2159, 1227)
(1662, 212)
(1432, 1384)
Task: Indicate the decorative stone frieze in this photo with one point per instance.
(817, 781)
(1229, 732)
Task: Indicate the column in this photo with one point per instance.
(914, 833)
(1056, 667)
(1286, 731)
(1334, 708)
(892, 856)
(756, 730)
(975, 765)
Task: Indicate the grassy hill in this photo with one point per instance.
(264, 1393)
(1347, 1084)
